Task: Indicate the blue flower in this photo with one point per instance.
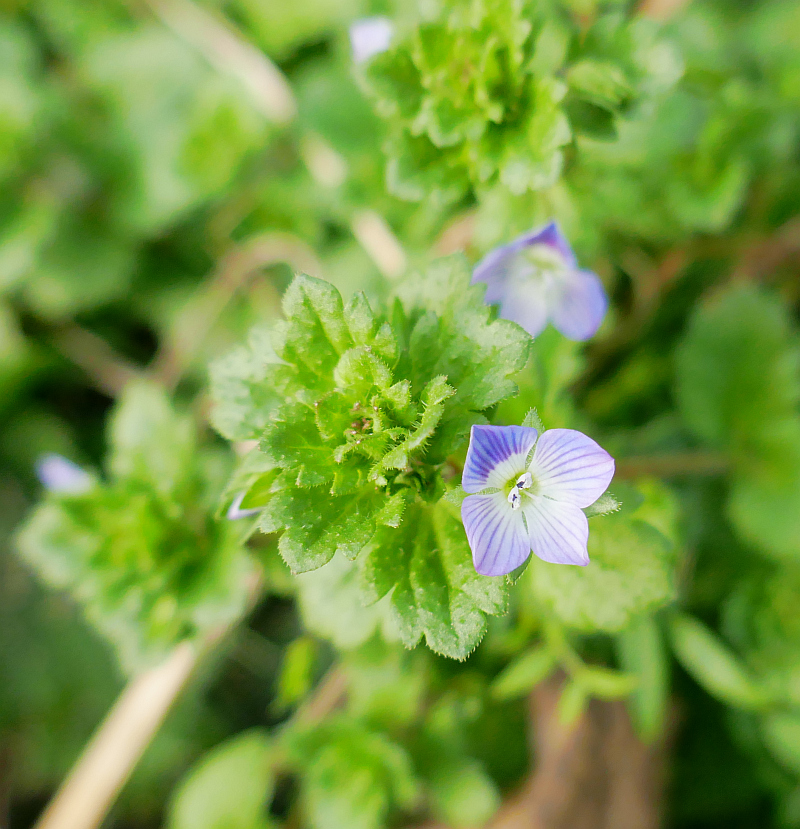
(370, 36)
(536, 279)
(528, 495)
(62, 476)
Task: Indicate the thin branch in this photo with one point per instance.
(110, 757)
(766, 256)
(380, 243)
(227, 50)
(457, 234)
(328, 695)
(108, 371)
(662, 10)
(122, 738)
(234, 270)
(683, 464)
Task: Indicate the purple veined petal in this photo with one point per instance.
(235, 512)
(551, 236)
(495, 269)
(578, 304)
(369, 37)
(57, 474)
(557, 532)
(570, 467)
(527, 303)
(495, 455)
(495, 532)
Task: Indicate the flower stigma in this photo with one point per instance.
(525, 481)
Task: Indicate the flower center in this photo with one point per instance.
(541, 263)
(545, 258)
(524, 481)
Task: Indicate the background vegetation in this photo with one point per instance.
(165, 168)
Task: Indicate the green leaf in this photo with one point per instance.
(524, 673)
(230, 788)
(738, 368)
(351, 776)
(293, 442)
(314, 335)
(782, 736)
(600, 82)
(764, 504)
(436, 592)
(462, 793)
(142, 553)
(457, 340)
(572, 703)
(246, 386)
(386, 684)
(643, 654)
(317, 524)
(332, 606)
(353, 457)
(149, 441)
(713, 665)
(604, 683)
(296, 673)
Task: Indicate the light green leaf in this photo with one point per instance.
(782, 736)
(352, 776)
(436, 592)
(713, 665)
(149, 440)
(230, 788)
(462, 793)
(296, 675)
(643, 654)
(524, 673)
(738, 368)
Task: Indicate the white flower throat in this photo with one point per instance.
(525, 481)
(541, 263)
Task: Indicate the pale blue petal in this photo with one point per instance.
(370, 36)
(496, 534)
(60, 475)
(578, 304)
(570, 467)
(496, 454)
(552, 236)
(497, 268)
(526, 303)
(557, 531)
(235, 511)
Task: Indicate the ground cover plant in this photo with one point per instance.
(405, 397)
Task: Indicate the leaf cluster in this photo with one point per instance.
(361, 417)
(141, 551)
(484, 91)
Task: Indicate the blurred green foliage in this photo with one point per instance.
(152, 213)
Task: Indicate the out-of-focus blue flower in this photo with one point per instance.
(536, 279)
(528, 495)
(370, 36)
(235, 511)
(57, 474)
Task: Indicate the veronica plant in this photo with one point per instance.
(140, 550)
(536, 279)
(357, 425)
(484, 91)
